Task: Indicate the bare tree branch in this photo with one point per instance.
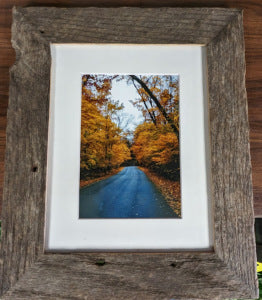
(150, 114)
(158, 104)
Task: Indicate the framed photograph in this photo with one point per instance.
(128, 171)
(122, 162)
(119, 140)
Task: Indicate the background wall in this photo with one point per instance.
(253, 42)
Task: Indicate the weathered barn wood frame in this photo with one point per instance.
(27, 272)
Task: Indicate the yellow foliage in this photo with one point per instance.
(102, 145)
(165, 148)
(259, 267)
(120, 153)
(154, 144)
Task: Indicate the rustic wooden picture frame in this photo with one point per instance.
(27, 272)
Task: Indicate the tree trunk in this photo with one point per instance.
(150, 114)
(158, 104)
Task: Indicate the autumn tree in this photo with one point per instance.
(159, 97)
(157, 148)
(105, 137)
(102, 145)
(156, 141)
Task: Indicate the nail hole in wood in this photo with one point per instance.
(173, 265)
(100, 262)
(34, 169)
(42, 31)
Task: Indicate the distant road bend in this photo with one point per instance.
(128, 194)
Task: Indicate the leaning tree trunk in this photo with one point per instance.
(158, 104)
(152, 116)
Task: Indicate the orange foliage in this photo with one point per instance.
(165, 89)
(154, 144)
(169, 188)
(102, 143)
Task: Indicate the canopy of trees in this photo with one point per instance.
(103, 146)
(159, 95)
(155, 143)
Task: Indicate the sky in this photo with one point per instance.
(123, 92)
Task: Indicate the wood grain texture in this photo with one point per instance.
(253, 43)
(229, 271)
(198, 24)
(230, 155)
(128, 276)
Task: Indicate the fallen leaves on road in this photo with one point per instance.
(169, 188)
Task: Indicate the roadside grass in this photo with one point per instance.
(259, 275)
(169, 188)
(260, 284)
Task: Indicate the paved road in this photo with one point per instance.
(128, 194)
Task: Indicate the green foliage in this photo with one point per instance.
(260, 284)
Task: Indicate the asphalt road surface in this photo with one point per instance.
(128, 194)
